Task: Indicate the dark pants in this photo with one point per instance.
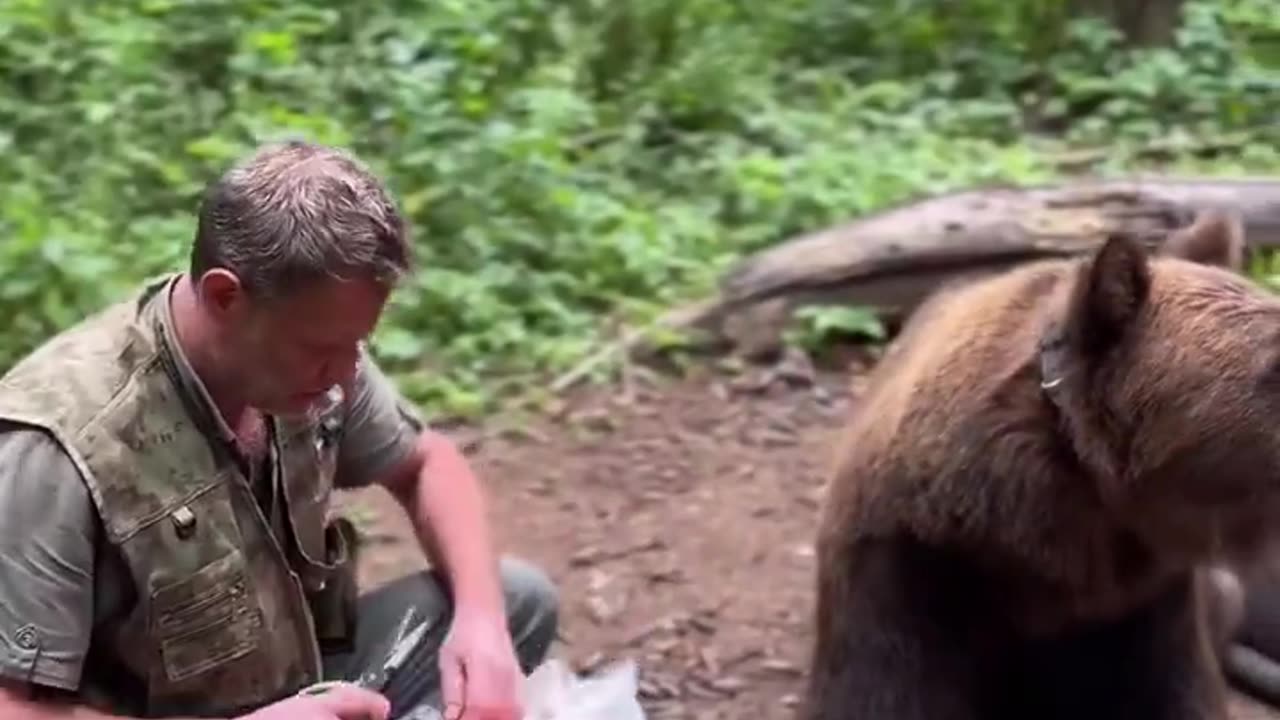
(532, 617)
(1252, 662)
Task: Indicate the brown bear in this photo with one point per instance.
(1032, 493)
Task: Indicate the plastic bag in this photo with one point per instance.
(422, 712)
(553, 692)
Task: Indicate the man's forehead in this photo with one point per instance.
(331, 293)
(338, 313)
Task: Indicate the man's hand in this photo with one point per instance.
(340, 702)
(480, 675)
(479, 672)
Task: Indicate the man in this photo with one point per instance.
(165, 474)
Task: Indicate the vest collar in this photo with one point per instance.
(188, 382)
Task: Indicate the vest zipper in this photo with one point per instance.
(298, 597)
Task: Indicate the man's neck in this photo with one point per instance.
(195, 336)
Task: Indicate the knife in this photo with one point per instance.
(378, 677)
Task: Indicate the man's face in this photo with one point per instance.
(285, 353)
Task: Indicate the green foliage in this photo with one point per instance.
(570, 163)
(814, 326)
(1265, 268)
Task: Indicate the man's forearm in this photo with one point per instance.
(15, 702)
(447, 506)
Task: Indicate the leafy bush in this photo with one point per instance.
(569, 163)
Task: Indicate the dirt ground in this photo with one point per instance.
(676, 515)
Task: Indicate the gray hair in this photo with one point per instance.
(297, 212)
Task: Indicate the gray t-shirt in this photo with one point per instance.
(59, 581)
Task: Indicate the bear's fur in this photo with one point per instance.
(1032, 488)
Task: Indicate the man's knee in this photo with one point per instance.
(533, 607)
(530, 594)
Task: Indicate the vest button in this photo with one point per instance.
(184, 522)
(27, 638)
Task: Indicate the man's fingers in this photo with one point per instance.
(491, 693)
(350, 702)
(453, 686)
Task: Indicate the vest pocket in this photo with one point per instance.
(206, 619)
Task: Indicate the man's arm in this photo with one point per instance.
(443, 496)
(342, 703)
(427, 473)
(48, 537)
(387, 444)
(47, 540)
(16, 701)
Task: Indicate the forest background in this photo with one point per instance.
(573, 166)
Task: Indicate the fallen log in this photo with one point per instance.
(891, 260)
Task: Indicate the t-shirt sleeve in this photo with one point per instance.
(47, 540)
(382, 428)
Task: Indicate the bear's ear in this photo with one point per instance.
(1216, 237)
(1108, 294)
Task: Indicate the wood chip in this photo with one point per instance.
(780, 666)
(594, 555)
(710, 660)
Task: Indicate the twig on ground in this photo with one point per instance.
(620, 349)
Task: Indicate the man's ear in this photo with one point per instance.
(221, 293)
(1110, 289)
(1216, 237)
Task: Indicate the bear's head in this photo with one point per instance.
(1165, 368)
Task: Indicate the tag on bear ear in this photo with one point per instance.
(1109, 292)
(1215, 237)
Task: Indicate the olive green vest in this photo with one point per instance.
(226, 613)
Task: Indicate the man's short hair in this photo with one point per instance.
(296, 212)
